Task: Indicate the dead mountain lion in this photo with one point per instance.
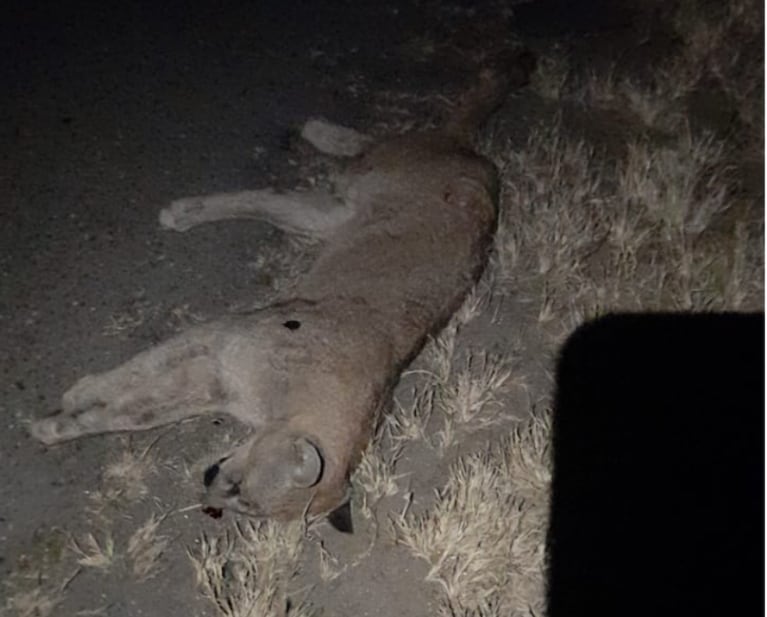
(406, 236)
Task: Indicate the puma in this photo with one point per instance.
(406, 234)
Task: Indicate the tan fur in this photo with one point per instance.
(406, 238)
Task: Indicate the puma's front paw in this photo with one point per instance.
(48, 430)
(181, 214)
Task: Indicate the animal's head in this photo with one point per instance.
(270, 476)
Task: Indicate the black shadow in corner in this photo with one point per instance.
(658, 488)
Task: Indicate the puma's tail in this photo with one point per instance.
(510, 71)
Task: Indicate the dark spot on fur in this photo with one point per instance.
(292, 324)
(146, 417)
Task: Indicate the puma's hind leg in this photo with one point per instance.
(175, 380)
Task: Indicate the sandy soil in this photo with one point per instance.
(109, 112)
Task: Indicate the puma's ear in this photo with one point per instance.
(307, 463)
(341, 518)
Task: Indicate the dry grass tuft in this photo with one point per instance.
(330, 568)
(476, 302)
(637, 235)
(721, 48)
(657, 103)
(552, 217)
(743, 284)
(599, 88)
(35, 582)
(725, 43)
(528, 457)
(469, 396)
(472, 396)
(33, 603)
(375, 475)
(484, 537)
(682, 187)
(123, 481)
(92, 553)
(471, 399)
(551, 74)
(247, 571)
(145, 547)
(677, 196)
(408, 421)
(557, 186)
(438, 354)
(125, 477)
